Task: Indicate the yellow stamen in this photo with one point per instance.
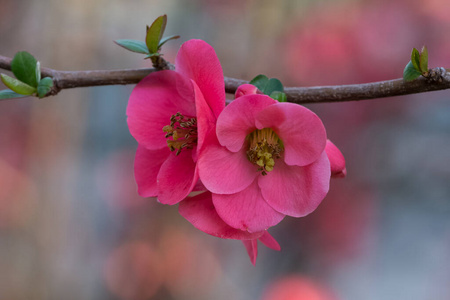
(175, 135)
(183, 131)
(264, 147)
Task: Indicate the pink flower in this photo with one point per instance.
(246, 89)
(170, 114)
(267, 161)
(337, 160)
(200, 212)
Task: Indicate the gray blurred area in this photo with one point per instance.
(73, 227)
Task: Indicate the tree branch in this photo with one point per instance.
(439, 79)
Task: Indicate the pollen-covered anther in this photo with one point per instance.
(181, 133)
(264, 147)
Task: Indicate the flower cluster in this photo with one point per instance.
(250, 163)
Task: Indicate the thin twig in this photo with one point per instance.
(300, 95)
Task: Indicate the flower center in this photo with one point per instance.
(181, 133)
(264, 147)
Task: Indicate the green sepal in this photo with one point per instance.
(155, 33)
(273, 85)
(44, 86)
(410, 72)
(23, 66)
(152, 55)
(8, 94)
(415, 59)
(133, 45)
(279, 96)
(423, 60)
(260, 81)
(166, 39)
(17, 85)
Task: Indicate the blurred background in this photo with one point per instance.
(73, 227)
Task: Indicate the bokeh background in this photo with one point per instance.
(73, 227)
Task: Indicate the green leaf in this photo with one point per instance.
(166, 39)
(45, 85)
(8, 94)
(17, 85)
(23, 66)
(410, 72)
(155, 33)
(133, 45)
(273, 85)
(423, 59)
(279, 96)
(415, 59)
(260, 81)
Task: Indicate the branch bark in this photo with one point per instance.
(438, 80)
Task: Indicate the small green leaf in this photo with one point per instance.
(155, 33)
(273, 85)
(423, 59)
(279, 96)
(8, 94)
(415, 59)
(133, 45)
(23, 66)
(45, 85)
(260, 81)
(410, 72)
(38, 72)
(166, 39)
(17, 85)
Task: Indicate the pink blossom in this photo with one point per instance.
(246, 89)
(337, 160)
(170, 114)
(200, 212)
(267, 161)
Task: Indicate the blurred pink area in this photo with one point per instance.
(179, 264)
(72, 224)
(296, 287)
(192, 267)
(133, 271)
(18, 197)
(343, 43)
(115, 179)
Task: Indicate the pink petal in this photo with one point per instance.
(153, 101)
(177, 177)
(199, 186)
(252, 249)
(246, 89)
(337, 160)
(146, 167)
(198, 61)
(222, 171)
(246, 210)
(296, 191)
(200, 212)
(238, 120)
(302, 132)
(206, 121)
(269, 241)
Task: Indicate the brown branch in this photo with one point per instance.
(439, 79)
